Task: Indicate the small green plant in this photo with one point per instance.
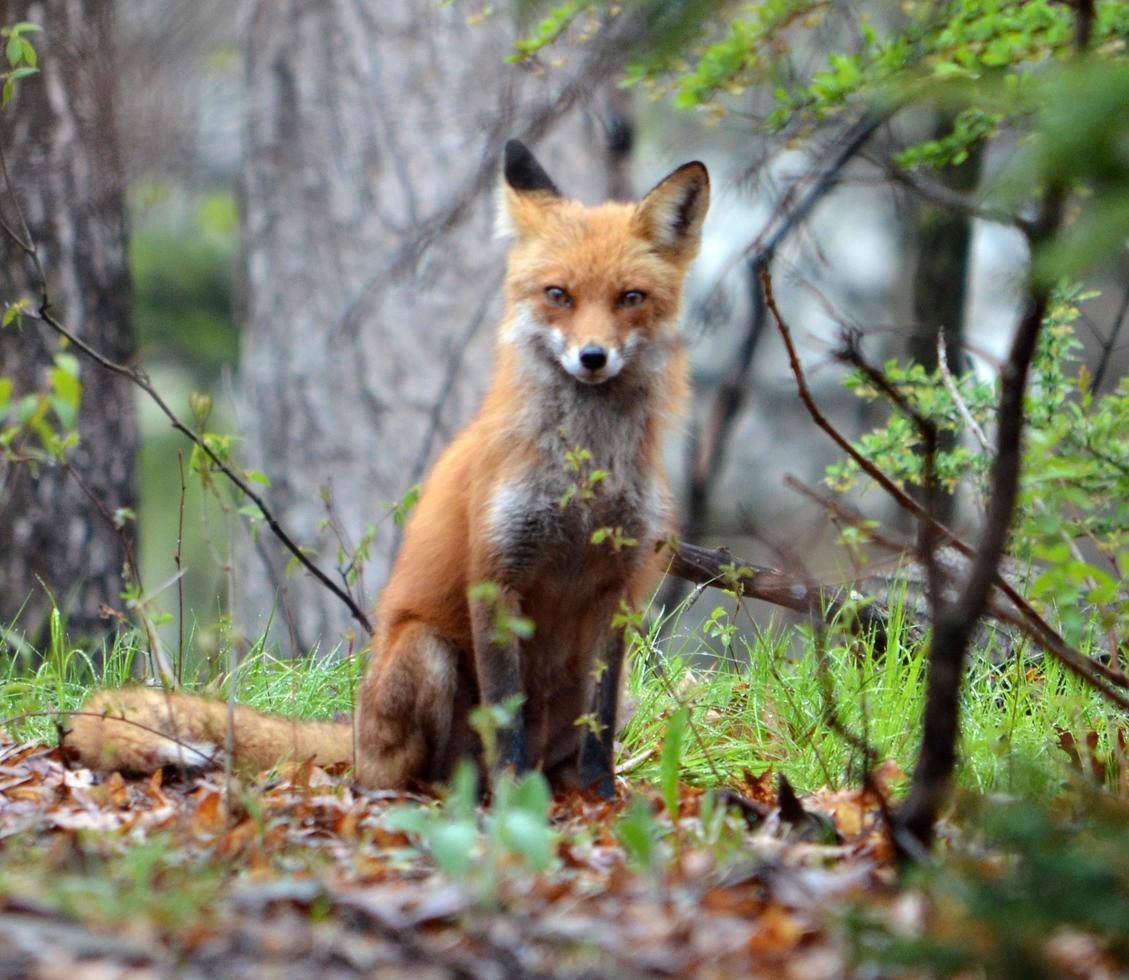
(21, 56)
(615, 537)
(402, 507)
(577, 462)
(1075, 483)
(41, 427)
(488, 719)
(508, 626)
(1036, 872)
(670, 760)
(641, 836)
(99, 880)
(479, 847)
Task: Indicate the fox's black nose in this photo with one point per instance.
(593, 357)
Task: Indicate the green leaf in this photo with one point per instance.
(521, 626)
(65, 383)
(404, 505)
(529, 836)
(28, 407)
(533, 795)
(638, 834)
(670, 760)
(487, 592)
(251, 511)
(406, 819)
(463, 797)
(453, 845)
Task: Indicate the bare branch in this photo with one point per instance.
(955, 622)
(720, 569)
(139, 378)
(954, 393)
(952, 200)
(1110, 343)
(708, 452)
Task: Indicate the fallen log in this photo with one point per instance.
(721, 569)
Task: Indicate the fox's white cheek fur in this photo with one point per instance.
(527, 328)
(523, 326)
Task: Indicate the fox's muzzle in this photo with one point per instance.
(592, 363)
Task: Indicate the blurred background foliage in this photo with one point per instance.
(183, 257)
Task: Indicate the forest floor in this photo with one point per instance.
(301, 874)
(301, 877)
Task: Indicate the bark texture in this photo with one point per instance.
(61, 143)
(371, 271)
(940, 285)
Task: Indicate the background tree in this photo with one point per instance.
(370, 269)
(61, 142)
(940, 283)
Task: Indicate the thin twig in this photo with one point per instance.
(157, 663)
(180, 571)
(958, 400)
(851, 353)
(1042, 632)
(1110, 343)
(140, 379)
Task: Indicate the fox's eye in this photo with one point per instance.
(557, 296)
(633, 297)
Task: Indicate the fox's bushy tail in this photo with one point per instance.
(143, 729)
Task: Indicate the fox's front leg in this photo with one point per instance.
(497, 664)
(597, 758)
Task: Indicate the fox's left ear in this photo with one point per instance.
(671, 215)
(525, 191)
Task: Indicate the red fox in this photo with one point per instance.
(554, 495)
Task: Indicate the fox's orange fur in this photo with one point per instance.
(587, 356)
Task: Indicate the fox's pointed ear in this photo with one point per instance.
(526, 190)
(671, 215)
(523, 172)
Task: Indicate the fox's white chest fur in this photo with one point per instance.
(546, 514)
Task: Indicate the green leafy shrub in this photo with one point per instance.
(1070, 536)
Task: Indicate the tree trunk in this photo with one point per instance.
(61, 143)
(370, 269)
(940, 283)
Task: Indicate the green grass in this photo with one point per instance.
(34, 686)
(758, 700)
(763, 700)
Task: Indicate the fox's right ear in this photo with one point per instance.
(525, 191)
(523, 172)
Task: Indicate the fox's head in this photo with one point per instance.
(597, 290)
